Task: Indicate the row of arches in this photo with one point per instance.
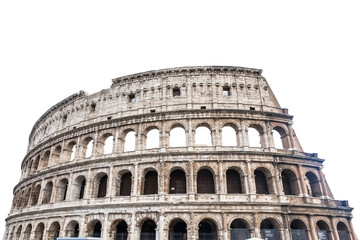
(207, 229)
(178, 183)
(178, 136)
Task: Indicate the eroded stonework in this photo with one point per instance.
(92, 170)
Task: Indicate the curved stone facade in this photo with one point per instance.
(129, 162)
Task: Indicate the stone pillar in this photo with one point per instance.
(190, 136)
(312, 228)
(160, 227)
(134, 192)
(323, 184)
(245, 136)
(270, 138)
(95, 145)
(161, 181)
(111, 184)
(105, 227)
(302, 181)
(334, 229)
(221, 181)
(252, 190)
(257, 233)
(82, 225)
(279, 190)
(134, 231)
(191, 180)
(224, 227)
(116, 147)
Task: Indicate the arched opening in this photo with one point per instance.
(148, 230)
(35, 165)
(178, 230)
(11, 234)
(177, 137)
(47, 193)
(73, 229)
(298, 230)
(121, 232)
(27, 232)
(151, 183)
(129, 144)
(54, 231)
(312, 185)
(239, 230)
(96, 232)
(207, 230)
(25, 199)
(268, 230)
(280, 138)
(152, 139)
(343, 231)
(125, 184)
(322, 230)
(89, 146)
(289, 182)
(45, 160)
(55, 157)
(254, 135)
(261, 182)
(203, 136)
(109, 145)
(233, 181)
(228, 136)
(102, 187)
(39, 232)
(78, 188)
(35, 195)
(70, 151)
(205, 181)
(18, 232)
(177, 182)
(62, 189)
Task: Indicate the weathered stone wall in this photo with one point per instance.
(71, 181)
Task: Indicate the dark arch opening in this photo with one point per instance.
(205, 182)
(177, 182)
(178, 230)
(298, 230)
(343, 231)
(148, 230)
(97, 230)
(82, 189)
(125, 185)
(39, 232)
(289, 182)
(121, 231)
(151, 183)
(261, 182)
(54, 231)
(233, 181)
(322, 230)
(102, 187)
(207, 230)
(268, 230)
(239, 230)
(314, 189)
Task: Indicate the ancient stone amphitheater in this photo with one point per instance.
(172, 154)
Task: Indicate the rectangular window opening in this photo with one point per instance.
(132, 98)
(226, 91)
(152, 110)
(108, 118)
(176, 92)
(203, 107)
(252, 108)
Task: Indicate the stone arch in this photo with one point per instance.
(234, 180)
(152, 137)
(47, 192)
(284, 141)
(27, 232)
(55, 156)
(239, 229)
(129, 136)
(54, 231)
(290, 182)
(177, 229)
(256, 135)
(229, 135)
(313, 184)
(87, 147)
(119, 230)
(35, 193)
(109, 140)
(124, 183)
(44, 162)
(323, 229)
(343, 231)
(70, 151)
(94, 228)
(177, 181)
(150, 182)
(26, 198)
(299, 230)
(148, 230)
(39, 231)
(78, 188)
(62, 188)
(263, 181)
(205, 181)
(100, 185)
(177, 136)
(18, 232)
(207, 229)
(203, 136)
(270, 229)
(12, 233)
(72, 229)
(35, 165)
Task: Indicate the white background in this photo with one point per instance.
(308, 50)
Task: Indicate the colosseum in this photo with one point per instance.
(174, 154)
